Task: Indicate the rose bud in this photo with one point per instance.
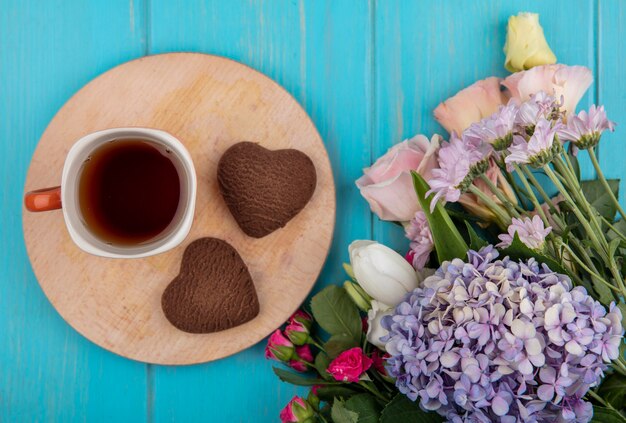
(297, 333)
(303, 318)
(298, 410)
(526, 45)
(350, 365)
(303, 355)
(312, 398)
(384, 274)
(378, 361)
(359, 297)
(279, 348)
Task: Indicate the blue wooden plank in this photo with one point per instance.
(48, 372)
(612, 88)
(320, 52)
(428, 51)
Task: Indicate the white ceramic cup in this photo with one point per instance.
(66, 196)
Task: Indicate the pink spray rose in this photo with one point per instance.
(279, 347)
(387, 185)
(471, 104)
(298, 410)
(570, 82)
(302, 353)
(302, 317)
(378, 360)
(297, 333)
(350, 365)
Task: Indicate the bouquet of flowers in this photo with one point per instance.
(508, 305)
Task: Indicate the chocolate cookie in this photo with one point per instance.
(265, 189)
(212, 292)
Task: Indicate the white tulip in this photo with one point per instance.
(375, 330)
(384, 274)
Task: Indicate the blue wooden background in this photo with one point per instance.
(368, 72)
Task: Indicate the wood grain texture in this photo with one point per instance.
(611, 40)
(209, 103)
(49, 372)
(368, 73)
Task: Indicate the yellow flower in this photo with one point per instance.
(526, 45)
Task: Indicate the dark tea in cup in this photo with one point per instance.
(129, 191)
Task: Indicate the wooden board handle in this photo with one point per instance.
(43, 199)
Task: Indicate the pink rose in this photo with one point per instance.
(571, 82)
(388, 186)
(349, 365)
(471, 104)
(279, 347)
(298, 410)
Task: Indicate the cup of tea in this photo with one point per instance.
(125, 193)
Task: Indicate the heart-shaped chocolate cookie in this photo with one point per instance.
(213, 291)
(265, 189)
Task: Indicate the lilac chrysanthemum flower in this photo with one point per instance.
(421, 238)
(531, 232)
(539, 149)
(539, 106)
(501, 340)
(461, 160)
(585, 129)
(496, 129)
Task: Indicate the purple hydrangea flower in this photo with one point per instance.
(421, 238)
(531, 232)
(585, 129)
(460, 161)
(501, 340)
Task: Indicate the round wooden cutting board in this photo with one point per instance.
(209, 103)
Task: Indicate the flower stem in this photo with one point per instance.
(583, 220)
(610, 225)
(588, 270)
(605, 184)
(373, 391)
(531, 195)
(505, 201)
(599, 399)
(503, 219)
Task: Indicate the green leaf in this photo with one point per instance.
(449, 243)
(600, 199)
(321, 364)
(366, 405)
(476, 242)
(340, 414)
(620, 225)
(613, 390)
(329, 393)
(402, 409)
(337, 344)
(606, 415)
(336, 313)
(296, 378)
(518, 251)
(613, 246)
